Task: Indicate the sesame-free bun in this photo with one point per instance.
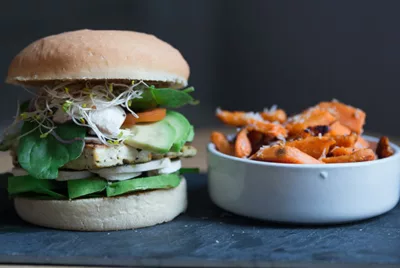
(98, 55)
(106, 214)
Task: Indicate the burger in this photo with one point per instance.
(98, 146)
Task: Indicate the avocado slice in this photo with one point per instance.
(182, 128)
(191, 134)
(155, 137)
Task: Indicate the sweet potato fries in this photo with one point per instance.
(329, 132)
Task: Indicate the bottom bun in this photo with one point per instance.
(106, 214)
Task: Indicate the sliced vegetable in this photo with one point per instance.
(360, 155)
(284, 154)
(346, 140)
(348, 116)
(314, 146)
(242, 144)
(28, 184)
(338, 129)
(221, 143)
(191, 134)
(383, 148)
(277, 115)
(182, 129)
(79, 188)
(155, 137)
(339, 151)
(42, 157)
(309, 118)
(164, 181)
(154, 115)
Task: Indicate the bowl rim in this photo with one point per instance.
(211, 149)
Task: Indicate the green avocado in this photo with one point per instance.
(182, 129)
(156, 137)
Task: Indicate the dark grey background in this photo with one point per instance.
(243, 54)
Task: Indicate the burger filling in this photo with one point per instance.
(81, 140)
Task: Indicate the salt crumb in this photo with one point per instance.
(108, 233)
(271, 110)
(233, 234)
(217, 241)
(186, 226)
(360, 230)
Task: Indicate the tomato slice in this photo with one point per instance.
(145, 117)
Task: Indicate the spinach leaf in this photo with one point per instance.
(29, 184)
(173, 98)
(41, 157)
(78, 188)
(164, 97)
(146, 183)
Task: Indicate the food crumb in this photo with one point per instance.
(217, 241)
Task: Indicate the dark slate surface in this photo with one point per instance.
(206, 236)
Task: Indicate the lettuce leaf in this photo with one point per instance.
(91, 187)
(29, 184)
(42, 157)
(164, 181)
(164, 97)
(79, 188)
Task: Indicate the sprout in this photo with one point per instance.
(78, 101)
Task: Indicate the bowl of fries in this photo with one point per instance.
(314, 167)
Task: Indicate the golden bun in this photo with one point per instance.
(99, 55)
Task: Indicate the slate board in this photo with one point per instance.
(206, 236)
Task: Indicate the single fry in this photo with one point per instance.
(383, 148)
(237, 119)
(267, 128)
(347, 115)
(309, 118)
(338, 129)
(221, 143)
(339, 151)
(360, 155)
(242, 144)
(361, 143)
(346, 140)
(277, 115)
(313, 146)
(284, 154)
(253, 121)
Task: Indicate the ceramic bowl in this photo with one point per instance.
(310, 194)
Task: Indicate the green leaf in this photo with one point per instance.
(165, 97)
(83, 187)
(42, 157)
(173, 98)
(28, 184)
(147, 183)
(189, 170)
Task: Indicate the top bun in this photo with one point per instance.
(99, 55)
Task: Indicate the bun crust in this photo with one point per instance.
(106, 214)
(99, 55)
